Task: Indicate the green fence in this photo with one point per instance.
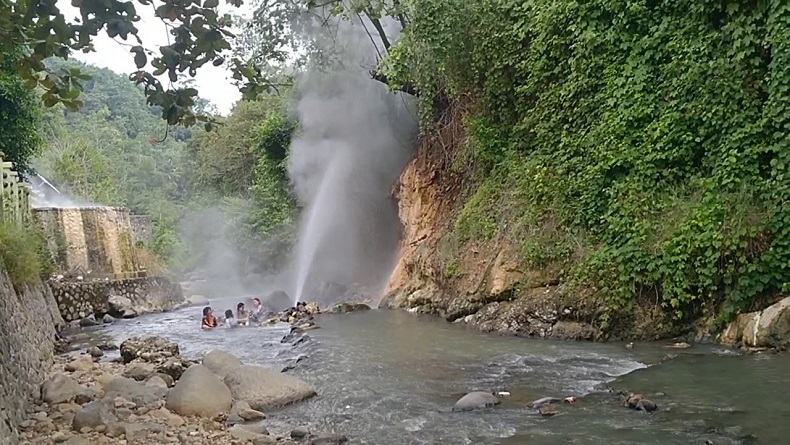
(15, 197)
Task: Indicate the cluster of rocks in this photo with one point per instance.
(152, 395)
(545, 406)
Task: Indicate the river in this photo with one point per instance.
(390, 378)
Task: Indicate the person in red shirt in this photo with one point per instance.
(209, 320)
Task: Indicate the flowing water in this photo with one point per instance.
(390, 378)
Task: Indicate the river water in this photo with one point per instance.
(390, 378)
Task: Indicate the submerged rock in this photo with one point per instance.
(265, 388)
(199, 392)
(329, 439)
(640, 403)
(476, 400)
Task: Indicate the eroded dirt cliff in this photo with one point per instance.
(487, 285)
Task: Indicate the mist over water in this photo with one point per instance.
(354, 141)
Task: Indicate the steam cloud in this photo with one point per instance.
(355, 140)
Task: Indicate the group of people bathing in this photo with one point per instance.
(243, 317)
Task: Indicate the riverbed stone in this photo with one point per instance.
(241, 433)
(133, 391)
(60, 388)
(139, 370)
(80, 363)
(221, 362)
(92, 415)
(476, 400)
(88, 321)
(199, 393)
(265, 388)
(77, 440)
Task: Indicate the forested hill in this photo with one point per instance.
(117, 150)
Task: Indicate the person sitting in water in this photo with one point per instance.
(229, 320)
(209, 321)
(242, 315)
(257, 313)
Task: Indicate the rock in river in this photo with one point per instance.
(766, 328)
(265, 388)
(121, 307)
(344, 308)
(475, 400)
(149, 349)
(220, 362)
(199, 393)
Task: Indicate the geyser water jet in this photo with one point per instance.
(355, 140)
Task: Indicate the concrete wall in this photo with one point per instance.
(77, 300)
(27, 320)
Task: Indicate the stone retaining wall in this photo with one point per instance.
(27, 332)
(80, 299)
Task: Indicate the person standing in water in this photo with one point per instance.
(209, 321)
(242, 315)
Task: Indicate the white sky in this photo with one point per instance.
(213, 83)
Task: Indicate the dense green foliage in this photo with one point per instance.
(198, 35)
(23, 254)
(113, 151)
(20, 117)
(642, 144)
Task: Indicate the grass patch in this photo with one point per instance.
(24, 254)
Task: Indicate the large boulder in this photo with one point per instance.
(121, 307)
(265, 388)
(221, 362)
(61, 388)
(475, 400)
(199, 392)
(767, 328)
(149, 349)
